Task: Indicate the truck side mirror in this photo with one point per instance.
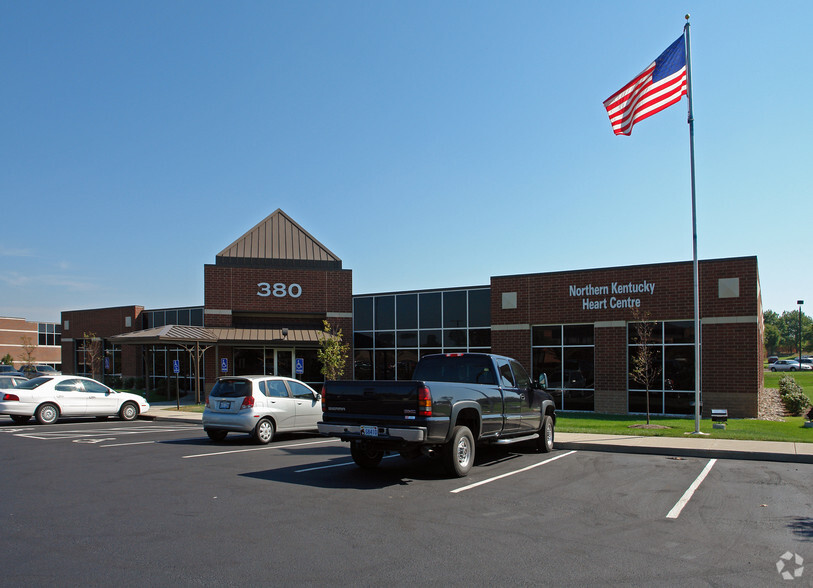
(543, 381)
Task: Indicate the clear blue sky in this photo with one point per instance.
(427, 144)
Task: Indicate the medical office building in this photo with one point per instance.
(267, 293)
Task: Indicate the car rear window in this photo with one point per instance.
(34, 383)
(469, 369)
(231, 389)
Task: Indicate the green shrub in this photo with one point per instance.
(793, 396)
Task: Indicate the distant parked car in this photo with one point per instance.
(50, 397)
(789, 365)
(40, 369)
(11, 381)
(9, 370)
(807, 361)
(260, 406)
(772, 359)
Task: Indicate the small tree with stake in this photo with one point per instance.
(332, 352)
(643, 366)
(93, 353)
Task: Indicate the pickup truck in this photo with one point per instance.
(454, 402)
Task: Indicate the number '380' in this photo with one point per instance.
(279, 290)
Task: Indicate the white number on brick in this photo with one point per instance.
(279, 290)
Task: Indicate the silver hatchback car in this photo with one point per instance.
(260, 406)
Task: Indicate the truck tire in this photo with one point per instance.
(544, 444)
(365, 456)
(458, 454)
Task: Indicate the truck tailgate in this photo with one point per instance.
(369, 397)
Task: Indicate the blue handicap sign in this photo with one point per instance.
(106, 363)
(224, 364)
(300, 365)
(176, 366)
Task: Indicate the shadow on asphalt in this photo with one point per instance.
(802, 527)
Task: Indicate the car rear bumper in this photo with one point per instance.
(243, 422)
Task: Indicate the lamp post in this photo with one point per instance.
(800, 302)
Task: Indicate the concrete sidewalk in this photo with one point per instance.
(688, 446)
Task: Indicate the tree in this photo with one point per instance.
(332, 352)
(28, 356)
(644, 368)
(7, 359)
(93, 353)
(772, 338)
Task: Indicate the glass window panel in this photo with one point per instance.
(679, 403)
(578, 335)
(363, 340)
(431, 338)
(275, 388)
(41, 328)
(656, 336)
(679, 367)
(549, 335)
(363, 365)
(171, 317)
(678, 332)
(579, 400)
(480, 338)
(158, 318)
(637, 402)
(407, 360)
(479, 308)
(384, 312)
(385, 365)
(196, 317)
(407, 339)
(313, 369)
(548, 361)
(183, 317)
(363, 314)
(42, 339)
(407, 311)
(430, 310)
(657, 360)
(578, 367)
(454, 338)
(384, 339)
(58, 339)
(454, 309)
(557, 398)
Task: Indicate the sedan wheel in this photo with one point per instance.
(264, 431)
(47, 414)
(128, 412)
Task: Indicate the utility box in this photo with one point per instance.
(719, 418)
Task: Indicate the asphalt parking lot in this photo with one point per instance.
(95, 503)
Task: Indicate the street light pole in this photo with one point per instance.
(800, 302)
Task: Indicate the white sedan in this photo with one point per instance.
(49, 397)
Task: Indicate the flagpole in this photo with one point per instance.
(695, 269)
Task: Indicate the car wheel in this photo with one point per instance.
(365, 456)
(793, 369)
(128, 411)
(458, 454)
(264, 431)
(216, 434)
(20, 419)
(47, 414)
(544, 443)
(773, 369)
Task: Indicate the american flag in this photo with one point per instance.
(660, 85)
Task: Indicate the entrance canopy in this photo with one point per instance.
(185, 335)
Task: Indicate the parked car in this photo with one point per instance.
(50, 397)
(806, 361)
(7, 380)
(789, 365)
(40, 369)
(772, 359)
(9, 370)
(260, 406)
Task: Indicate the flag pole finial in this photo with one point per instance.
(688, 16)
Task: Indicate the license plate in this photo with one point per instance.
(225, 405)
(369, 431)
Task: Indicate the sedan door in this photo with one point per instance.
(100, 399)
(70, 396)
(308, 408)
(279, 403)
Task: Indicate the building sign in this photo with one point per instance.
(612, 295)
(224, 364)
(279, 290)
(300, 366)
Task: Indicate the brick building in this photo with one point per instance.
(267, 293)
(19, 337)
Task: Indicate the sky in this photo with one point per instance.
(426, 144)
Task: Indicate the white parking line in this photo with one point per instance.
(79, 433)
(519, 471)
(264, 448)
(124, 444)
(684, 500)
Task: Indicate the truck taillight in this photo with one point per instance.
(11, 397)
(324, 395)
(424, 402)
(248, 402)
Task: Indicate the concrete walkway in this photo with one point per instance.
(688, 446)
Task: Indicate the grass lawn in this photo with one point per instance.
(804, 379)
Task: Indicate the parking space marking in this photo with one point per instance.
(684, 500)
(336, 465)
(77, 434)
(264, 448)
(125, 444)
(519, 471)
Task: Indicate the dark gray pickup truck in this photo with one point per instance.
(453, 402)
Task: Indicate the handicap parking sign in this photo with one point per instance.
(300, 366)
(176, 366)
(224, 364)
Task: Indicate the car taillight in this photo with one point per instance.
(248, 402)
(424, 401)
(11, 397)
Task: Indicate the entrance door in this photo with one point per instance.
(279, 362)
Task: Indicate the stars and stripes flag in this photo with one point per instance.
(659, 86)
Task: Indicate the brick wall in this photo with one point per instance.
(104, 323)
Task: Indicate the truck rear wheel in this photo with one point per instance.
(365, 456)
(458, 454)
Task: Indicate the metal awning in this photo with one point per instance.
(185, 335)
